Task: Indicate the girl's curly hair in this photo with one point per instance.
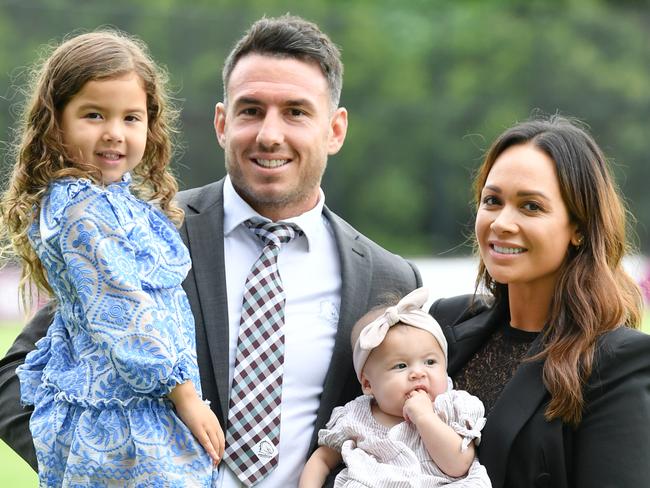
(41, 157)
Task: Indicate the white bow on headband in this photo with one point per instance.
(407, 311)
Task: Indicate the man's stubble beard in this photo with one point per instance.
(295, 195)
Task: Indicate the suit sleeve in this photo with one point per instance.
(612, 443)
(416, 274)
(14, 418)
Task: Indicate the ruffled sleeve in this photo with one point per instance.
(462, 412)
(142, 338)
(346, 424)
(60, 194)
(30, 373)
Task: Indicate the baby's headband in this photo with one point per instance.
(408, 311)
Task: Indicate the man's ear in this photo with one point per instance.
(220, 123)
(337, 131)
(366, 388)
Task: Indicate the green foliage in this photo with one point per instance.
(428, 85)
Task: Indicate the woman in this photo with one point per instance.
(552, 352)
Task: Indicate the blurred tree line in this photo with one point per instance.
(428, 85)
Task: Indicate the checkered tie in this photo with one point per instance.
(253, 432)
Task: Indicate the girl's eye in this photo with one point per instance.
(93, 116)
(132, 118)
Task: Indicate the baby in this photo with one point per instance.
(410, 428)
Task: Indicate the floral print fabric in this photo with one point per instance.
(121, 339)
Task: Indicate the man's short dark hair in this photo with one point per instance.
(290, 36)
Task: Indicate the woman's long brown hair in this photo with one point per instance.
(594, 294)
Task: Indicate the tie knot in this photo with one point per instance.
(273, 232)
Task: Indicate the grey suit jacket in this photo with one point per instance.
(368, 271)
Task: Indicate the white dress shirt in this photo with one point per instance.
(311, 277)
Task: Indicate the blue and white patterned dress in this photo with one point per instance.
(121, 339)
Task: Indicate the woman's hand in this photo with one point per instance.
(200, 419)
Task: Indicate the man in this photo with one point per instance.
(279, 122)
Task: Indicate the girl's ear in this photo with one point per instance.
(365, 385)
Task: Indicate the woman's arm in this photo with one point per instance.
(440, 440)
(322, 461)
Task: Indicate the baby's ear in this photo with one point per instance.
(365, 385)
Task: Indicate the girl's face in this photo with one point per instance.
(408, 359)
(105, 125)
(522, 225)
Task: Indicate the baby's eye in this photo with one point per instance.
(430, 362)
(399, 366)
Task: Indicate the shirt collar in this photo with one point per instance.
(124, 182)
(236, 211)
(126, 178)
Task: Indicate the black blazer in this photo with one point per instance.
(519, 448)
(367, 270)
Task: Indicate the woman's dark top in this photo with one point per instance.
(486, 374)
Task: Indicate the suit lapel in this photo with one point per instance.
(467, 335)
(205, 236)
(356, 273)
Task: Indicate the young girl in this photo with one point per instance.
(410, 428)
(118, 366)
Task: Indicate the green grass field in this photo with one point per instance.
(15, 473)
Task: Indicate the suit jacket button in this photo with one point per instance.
(543, 480)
